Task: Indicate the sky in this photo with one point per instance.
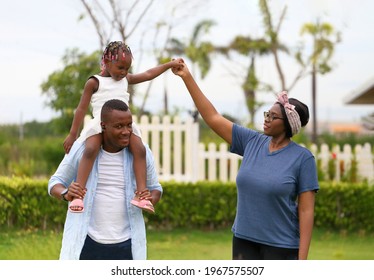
(35, 37)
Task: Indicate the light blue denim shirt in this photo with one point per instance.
(76, 224)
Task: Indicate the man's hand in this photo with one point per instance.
(153, 196)
(146, 194)
(76, 191)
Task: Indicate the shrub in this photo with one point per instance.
(25, 203)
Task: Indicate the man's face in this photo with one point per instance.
(117, 130)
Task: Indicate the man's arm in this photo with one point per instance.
(74, 191)
(56, 191)
(156, 196)
(66, 173)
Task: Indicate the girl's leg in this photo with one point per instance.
(90, 153)
(137, 149)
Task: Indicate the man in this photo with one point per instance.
(110, 227)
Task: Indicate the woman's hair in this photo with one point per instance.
(115, 51)
(301, 109)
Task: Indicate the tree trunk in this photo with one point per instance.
(166, 103)
(314, 105)
(250, 97)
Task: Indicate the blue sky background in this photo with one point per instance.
(35, 37)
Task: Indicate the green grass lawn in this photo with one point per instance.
(186, 244)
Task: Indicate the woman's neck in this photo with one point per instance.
(278, 143)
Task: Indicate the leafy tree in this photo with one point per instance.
(162, 56)
(324, 39)
(125, 18)
(63, 88)
(116, 18)
(272, 37)
(195, 49)
(250, 48)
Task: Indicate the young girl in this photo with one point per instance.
(111, 83)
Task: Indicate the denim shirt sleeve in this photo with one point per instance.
(67, 170)
(76, 225)
(138, 231)
(152, 177)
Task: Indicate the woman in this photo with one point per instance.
(277, 180)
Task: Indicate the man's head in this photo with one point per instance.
(116, 124)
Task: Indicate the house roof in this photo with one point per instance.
(362, 95)
(339, 128)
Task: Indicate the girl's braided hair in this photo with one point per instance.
(114, 51)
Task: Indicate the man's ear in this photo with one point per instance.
(102, 126)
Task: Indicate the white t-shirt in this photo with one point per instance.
(109, 222)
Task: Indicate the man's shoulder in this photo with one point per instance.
(79, 145)
(77, 149)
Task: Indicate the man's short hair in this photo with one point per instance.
(113, 104)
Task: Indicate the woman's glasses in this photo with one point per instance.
(270, 117)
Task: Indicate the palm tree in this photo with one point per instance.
(249, 48)
(253, 48)
(272, 36)
(195, 50)
(322, 51)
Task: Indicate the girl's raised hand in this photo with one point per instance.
(180, 70)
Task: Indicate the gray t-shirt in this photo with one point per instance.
(268, 184)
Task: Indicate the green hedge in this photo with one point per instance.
(202, 204)
(25, 203)
(345, 206)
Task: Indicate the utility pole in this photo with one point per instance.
(21, 133)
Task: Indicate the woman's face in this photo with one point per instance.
(274, 122)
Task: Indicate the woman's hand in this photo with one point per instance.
(181, 69)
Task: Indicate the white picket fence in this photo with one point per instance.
(180, 157)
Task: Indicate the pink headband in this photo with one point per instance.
(292, 115)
